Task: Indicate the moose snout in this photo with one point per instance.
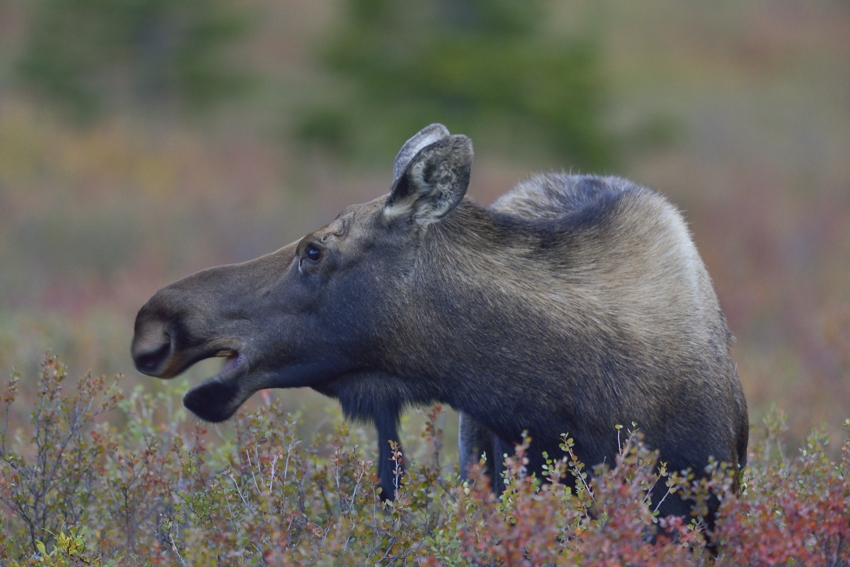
(152, 347)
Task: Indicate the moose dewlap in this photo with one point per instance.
(571, 305)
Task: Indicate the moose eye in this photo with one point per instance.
(312, 253)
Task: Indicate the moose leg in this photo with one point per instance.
(501, 449)
(386, 423)
(473, 442)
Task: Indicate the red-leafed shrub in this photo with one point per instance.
(76, 490)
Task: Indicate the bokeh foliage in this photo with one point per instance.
(88, 54)
(483, 67)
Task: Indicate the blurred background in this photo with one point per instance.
(142, 140)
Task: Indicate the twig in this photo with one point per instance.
(251, 467)
(174, 548)
(663, 498)
(271, 476)
(239, 492)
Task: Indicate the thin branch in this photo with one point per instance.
(251, 468)
(663, 498)
(174, 548)
(271, 476)
(239, 492)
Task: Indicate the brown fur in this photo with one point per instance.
(573, 304)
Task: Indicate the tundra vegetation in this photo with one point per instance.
(77, 490)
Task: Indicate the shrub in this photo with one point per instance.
(49, 478)
(160, 491)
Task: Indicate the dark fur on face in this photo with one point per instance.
(572, 305)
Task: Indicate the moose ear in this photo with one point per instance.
(433, 181)
(425, 137)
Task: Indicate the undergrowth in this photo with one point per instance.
(75, 489)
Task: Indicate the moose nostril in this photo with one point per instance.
(150, 361)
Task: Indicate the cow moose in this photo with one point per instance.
(572, 304)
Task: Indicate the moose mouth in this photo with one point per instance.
(217, 398)
(232, 360)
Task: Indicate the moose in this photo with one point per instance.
(572, 304)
